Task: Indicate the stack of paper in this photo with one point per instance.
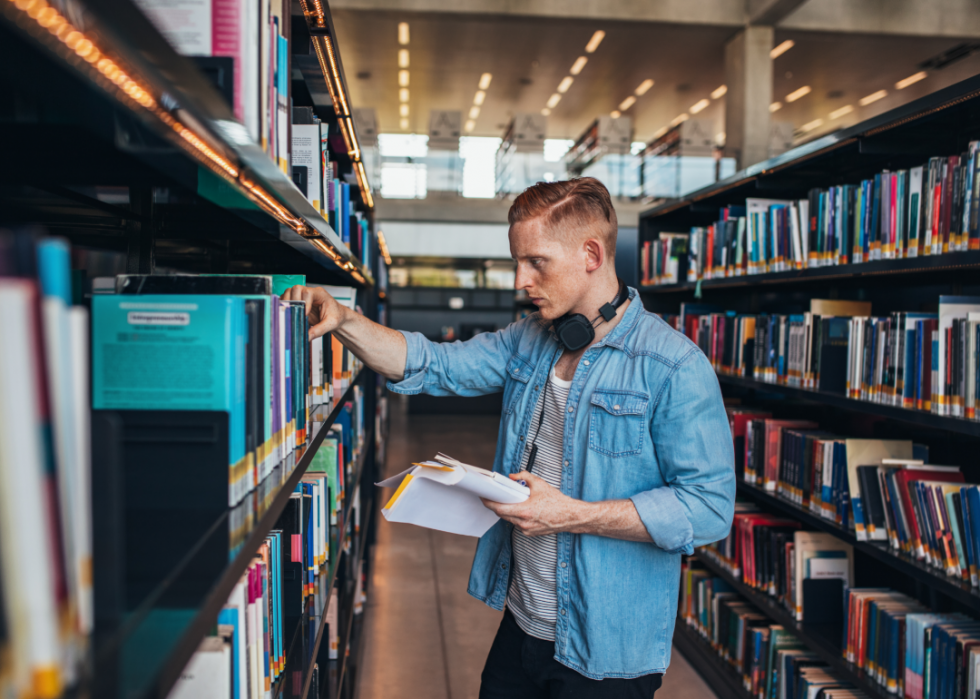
(445, 494)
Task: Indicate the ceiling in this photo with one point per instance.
(528, 57)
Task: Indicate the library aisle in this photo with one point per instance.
(424, 637)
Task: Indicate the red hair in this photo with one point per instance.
(582, 204)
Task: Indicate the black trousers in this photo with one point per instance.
(523, 667)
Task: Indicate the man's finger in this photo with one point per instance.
(319, 330)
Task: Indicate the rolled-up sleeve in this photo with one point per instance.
(472, 368)
(694, 448)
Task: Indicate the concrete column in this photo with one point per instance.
(748, 74)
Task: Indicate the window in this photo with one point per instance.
(404, 181)
(479, 154)
(555, 149)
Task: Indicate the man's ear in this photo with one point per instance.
(595, 254)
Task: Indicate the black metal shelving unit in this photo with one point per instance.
(834, 400)
(118, 106)
(958, 590)
(860, 272)
(939, 124)
(723, 679)
(154, 174)
(815, 637)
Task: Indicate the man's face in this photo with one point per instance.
(553, 270)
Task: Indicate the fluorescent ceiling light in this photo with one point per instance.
(403, 58)
(838, 113)
(782, 48)
(627, 103)
(546, 111)
(403, 78)
(873, 97)
(796, 94)
(775, 106)
(403, 110)
(911, 80)
(403, 95)
(565, 83)
(403, 124)
(485, 81)
(699, 106)
(470, 125)
(719, 92)
(679, 119)
(644, 87)
(554, 100)
(403, 33)
(578, 65)
(595, 41)
(474, 112)
(810, 126)
(660, 132)
(615, 114)
(479, 97)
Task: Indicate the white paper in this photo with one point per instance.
(448, 500)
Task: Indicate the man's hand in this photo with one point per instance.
(546, 511)
(322, 310)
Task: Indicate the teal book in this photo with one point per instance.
(173, 352)
(283, 282)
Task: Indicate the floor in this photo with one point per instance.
(424, 637)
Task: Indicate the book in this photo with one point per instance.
(445, 494)
(862, 452)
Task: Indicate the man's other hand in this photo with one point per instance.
(546, 511)
(322, 310)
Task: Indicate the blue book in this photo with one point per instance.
(345, 213)
(172, 352)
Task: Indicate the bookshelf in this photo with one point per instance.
(172, 130)
(133, 153)
(940, 124)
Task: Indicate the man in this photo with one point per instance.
(622, 439)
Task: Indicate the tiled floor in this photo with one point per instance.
(424, 637)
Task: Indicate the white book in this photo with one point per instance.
(807, 547)
(950, 307)
(26, 542)
(332, 621)
(208, 674)
(306, 154)
(444, 494)
(78, 320)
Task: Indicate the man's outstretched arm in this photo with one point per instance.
(381, 348)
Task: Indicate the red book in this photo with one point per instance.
(920, 473)
(774, 448)
(738, 420)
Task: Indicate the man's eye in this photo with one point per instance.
(536, 263)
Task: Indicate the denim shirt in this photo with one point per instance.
(644, 421)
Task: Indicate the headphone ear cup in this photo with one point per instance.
(574, 332)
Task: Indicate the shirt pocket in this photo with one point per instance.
(617, 422)
(521, 371)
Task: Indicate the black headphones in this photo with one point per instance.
(576, 331)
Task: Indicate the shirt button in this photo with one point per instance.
(503, 566)
(536, 388)
(586, 362)
(571, 409)
(615, 407)
(564, 565)
(522, 438)
(566, 463)
(563, 612)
